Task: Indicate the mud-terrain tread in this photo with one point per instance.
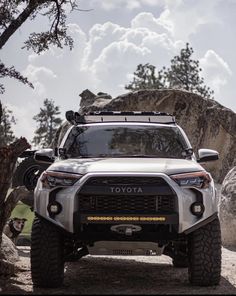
(47, 263)
(205, 255)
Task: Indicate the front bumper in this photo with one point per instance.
(183, 219)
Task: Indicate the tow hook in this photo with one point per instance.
(126, 229)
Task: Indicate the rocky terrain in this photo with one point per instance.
(228, 209)
(104, 275)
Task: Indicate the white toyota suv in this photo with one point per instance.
(125, 183)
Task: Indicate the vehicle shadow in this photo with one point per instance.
(106, 275)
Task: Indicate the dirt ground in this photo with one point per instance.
(104, 275)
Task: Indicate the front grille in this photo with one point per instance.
(156, 195)
(104, 181)
(126, 204)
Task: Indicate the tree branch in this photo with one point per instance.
(15, 24)
(8, 157)
(16, 195)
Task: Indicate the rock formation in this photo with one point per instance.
(228, 209)
(207, 123)
(9, 255)
(88, 99)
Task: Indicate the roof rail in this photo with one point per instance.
(119, 116)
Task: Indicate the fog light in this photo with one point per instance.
(197, 208)
(54, 208)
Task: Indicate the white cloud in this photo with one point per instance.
(101, 36)
(114, 4)
(24, 126)
(184, 17)
(34, 73)
(127, 4)
(148, 21)
(112, 51)
(39, 76)
(215, 70)
(111, 67)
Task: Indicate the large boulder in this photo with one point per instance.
(8, 256)
(228, 209)
(207, 123)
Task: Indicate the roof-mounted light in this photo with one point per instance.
(119, 116)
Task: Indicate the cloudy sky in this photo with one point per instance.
(110, 41)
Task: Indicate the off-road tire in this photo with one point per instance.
(47, 262)
(24, 173)
(205, 255)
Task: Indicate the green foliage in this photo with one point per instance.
(145, 78)
(184, 73)
(11, 73)
(23, 211)
(6, 133)
(48, 123)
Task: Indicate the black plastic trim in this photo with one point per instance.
(201, 224)
(208, 158)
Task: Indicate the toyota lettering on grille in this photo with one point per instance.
(123, 189)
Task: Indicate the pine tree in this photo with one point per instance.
(6, 133)
(48, 123)
(145, 78)
(184, 73)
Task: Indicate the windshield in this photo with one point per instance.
(125, 141)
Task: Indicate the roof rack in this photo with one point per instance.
(119, 116)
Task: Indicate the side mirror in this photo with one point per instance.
(44, 155)
(207, 155)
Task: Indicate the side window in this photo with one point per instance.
(71, 147)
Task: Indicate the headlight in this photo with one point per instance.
(52, 179)
(196, 179)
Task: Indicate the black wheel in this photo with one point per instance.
(28, 172)
(47, 247)
(205, 255)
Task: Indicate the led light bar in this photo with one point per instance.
(119, 116)
(116, 219)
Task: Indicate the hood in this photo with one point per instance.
(126, 165)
